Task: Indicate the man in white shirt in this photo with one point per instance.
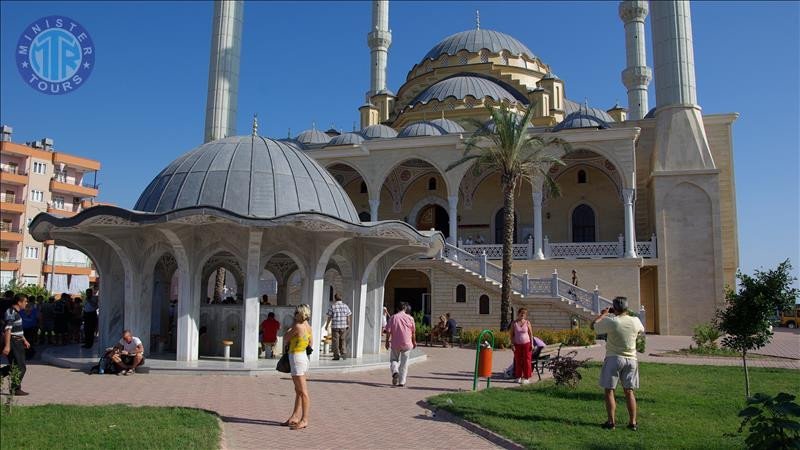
(130, 353)
(620, 362)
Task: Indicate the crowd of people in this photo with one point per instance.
(60, 321)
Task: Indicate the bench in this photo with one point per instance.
(542, 357)
(452, 339)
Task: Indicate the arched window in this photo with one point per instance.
(581, 176)
(484, 56)
(461, 294)
(432, 184)
(483, 304)
(364, 216)
(583, 224)
(363, 187)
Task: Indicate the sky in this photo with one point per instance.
(307, 63)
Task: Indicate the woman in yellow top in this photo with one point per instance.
(299, 338)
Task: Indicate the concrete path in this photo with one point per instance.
(352, 410)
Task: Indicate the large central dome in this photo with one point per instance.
(475, 40)
(248, 175)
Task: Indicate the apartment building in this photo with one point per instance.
(35, 178)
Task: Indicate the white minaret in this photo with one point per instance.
(379, 40)
(636, 76)
(223, 69)
(681, 142)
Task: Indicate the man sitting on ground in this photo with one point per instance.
(130, 354)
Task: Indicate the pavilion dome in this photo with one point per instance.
(251, 176)
(418, 129)
(313, 137)
(475, 40)
(581, 119)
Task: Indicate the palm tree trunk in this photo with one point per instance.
(509, 184)
(219, 284)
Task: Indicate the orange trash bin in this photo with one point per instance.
(485, 362)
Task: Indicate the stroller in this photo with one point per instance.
(106, 363)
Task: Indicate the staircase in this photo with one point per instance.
(523, 288)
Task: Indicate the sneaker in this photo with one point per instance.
(526, 381)
(126, 372)
(131, 371)
(395, 378)
(335, 358)
(609, 426)
(519, 380)
(633, 427)
(20, 392)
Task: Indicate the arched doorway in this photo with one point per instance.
(583, 224)
(434, 216)
(500, 223)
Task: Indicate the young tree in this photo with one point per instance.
(503, 144)
(746, 317)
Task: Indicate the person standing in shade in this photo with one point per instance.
(269, 334)
(14, 343)
(522, 337)
(89, 318)
(339, 317)
(401, 337)
(620, 362)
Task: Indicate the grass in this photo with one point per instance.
(707, 351)
(680, 406)
(107, 427)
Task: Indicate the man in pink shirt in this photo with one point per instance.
(401, 335)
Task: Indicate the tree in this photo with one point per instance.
(746, 317)
(504, 145)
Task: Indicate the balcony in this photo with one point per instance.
(68, 267)
(12, 148)
(9, 263)
(10, 233)
(12, 203)
(566, 250)
(85, 190)
(13, 175)
(75, 161)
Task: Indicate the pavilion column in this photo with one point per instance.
(187, 348)
(452, 213)
(630, 231)
(537, 226)
(374, 203)
(251, 299)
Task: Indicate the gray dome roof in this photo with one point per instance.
(462, 85)
(475, 40)
(573, 107)
(417, 129)
(378, 132)
(250, 176)
(581, 119)
(346, 139)
(448, 126)
(312, 137)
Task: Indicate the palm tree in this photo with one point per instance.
(504, 145)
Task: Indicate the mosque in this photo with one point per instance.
(647, 207)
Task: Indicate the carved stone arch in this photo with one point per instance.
(352, 165)
(429, 200)
(399, 159)
(626, 169)
(579, 165)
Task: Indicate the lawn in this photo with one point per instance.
(108, 427)
(680, 406)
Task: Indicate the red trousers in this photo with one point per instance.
(522, 360)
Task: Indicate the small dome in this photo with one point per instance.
(571, 107)
(331, 132)
(475, 40)
(448, 126)
(581, 119)
(346, 139)
(550, 76)
(378, 132)
(312, 137)
(251, 176)
(417, 129)
(650, 114)
(461, 85)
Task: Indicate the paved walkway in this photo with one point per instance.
(353, 410)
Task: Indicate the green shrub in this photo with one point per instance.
(771, 421)
(469, 336)
(705, 335)
(422, 330)
(579, 337)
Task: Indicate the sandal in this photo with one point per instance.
(297, 426)
(633, 427)
(609, 426)
(288, 423)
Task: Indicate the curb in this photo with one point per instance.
(491, 436)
